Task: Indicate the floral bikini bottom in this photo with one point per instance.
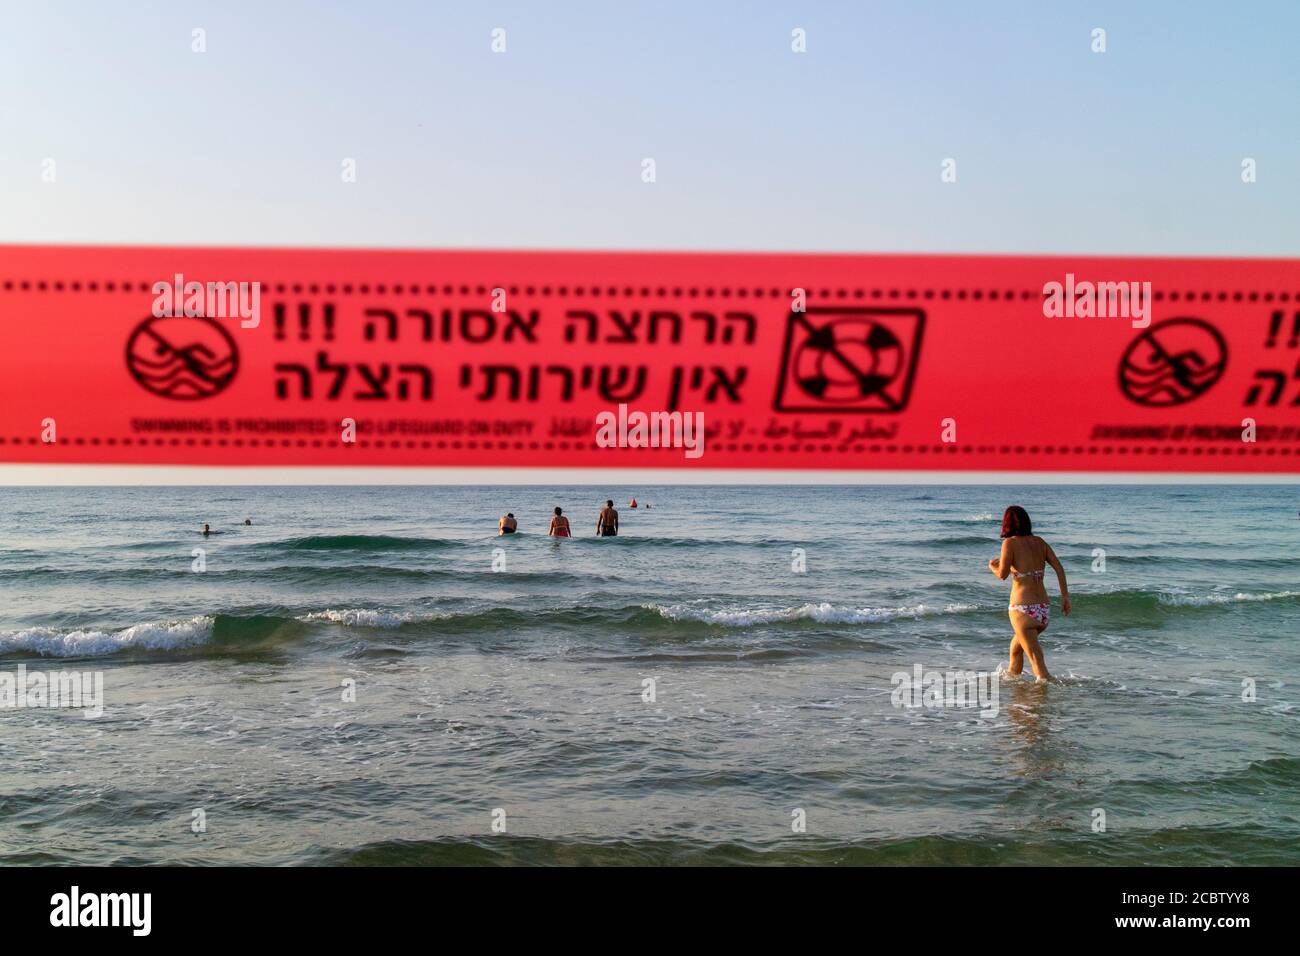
(1039, 612)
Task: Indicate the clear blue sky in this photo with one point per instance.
(1058, 149)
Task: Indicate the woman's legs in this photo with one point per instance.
(1027, 631)
(1017, 662)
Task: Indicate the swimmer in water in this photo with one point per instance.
(607, 521)
(508, 524)
(559, 525)
(206, 531)
(1024, 558)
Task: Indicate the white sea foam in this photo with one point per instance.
(52, 642)
(361, 617)
(823, 613)
(1204, 600)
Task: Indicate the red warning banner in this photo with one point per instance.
(336, 357)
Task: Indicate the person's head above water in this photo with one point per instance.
(609, 503)
(205, 527)
(1015, 521)
(558, 511)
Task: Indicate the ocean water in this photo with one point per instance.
(517, 696)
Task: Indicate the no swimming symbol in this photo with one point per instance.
(1173, 362)
(182, 357)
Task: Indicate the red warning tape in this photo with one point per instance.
(508, 359)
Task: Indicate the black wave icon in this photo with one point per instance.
(182, 357)
(1173, 362)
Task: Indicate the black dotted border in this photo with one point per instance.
(645, 292)
(744, 447)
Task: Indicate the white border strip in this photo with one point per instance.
(30, 475)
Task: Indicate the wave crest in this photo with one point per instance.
(355, 542)
(1210, 600)
(362, 617)
(822, 613)
(52, 642)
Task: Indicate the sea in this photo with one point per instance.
(370, 675)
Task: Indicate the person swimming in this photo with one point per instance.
(559, 525)
(607, 521)
(1023, 558)
(508, 524)
(206, 531)
(248, 521)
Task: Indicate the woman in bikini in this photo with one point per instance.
(559, 525)
(1025, 557)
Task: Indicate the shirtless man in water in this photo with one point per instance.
(508, 524)
(607, 521)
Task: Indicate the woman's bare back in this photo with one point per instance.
(1029, 560)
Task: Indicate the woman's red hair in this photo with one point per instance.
(1015, 521)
